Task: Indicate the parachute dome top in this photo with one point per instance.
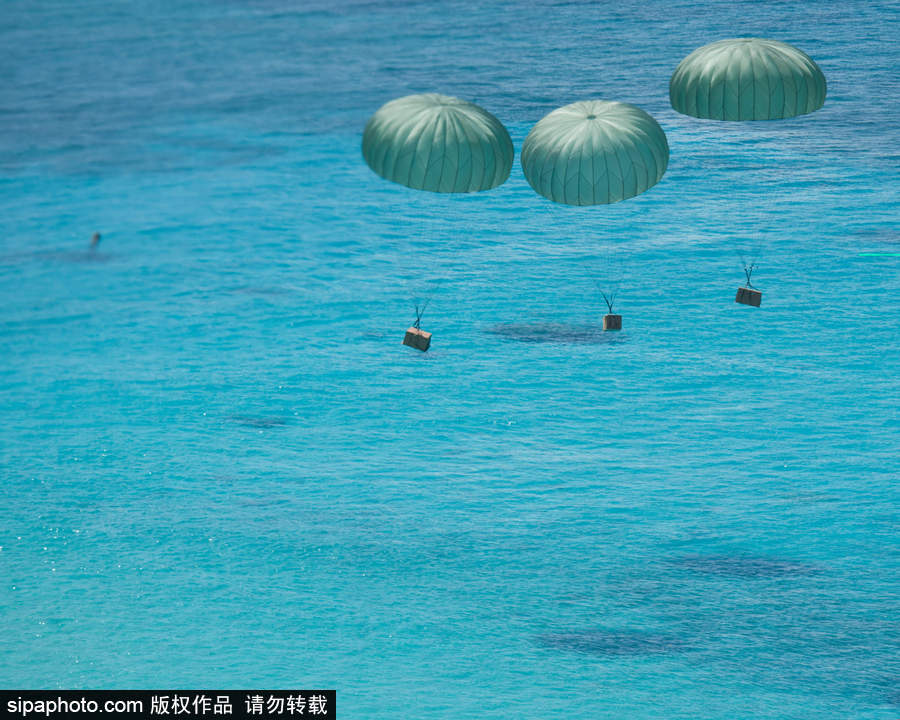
(438, 143)
(747, 79)
(594, 152)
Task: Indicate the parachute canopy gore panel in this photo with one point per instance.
(417, 338)
(747, 79)
(594, 152)
(748, 296)
(438, 143)
(612, 322)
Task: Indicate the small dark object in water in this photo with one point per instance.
(417, 338)
(748, 296)
(611, 642)
(95, 240)
(612, 322)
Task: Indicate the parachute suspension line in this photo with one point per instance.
(748, 271)
(612, 279)
(430, 288)
(754, 248)
(430, 293)
(610, 299)
(749, 267)
(419, 313)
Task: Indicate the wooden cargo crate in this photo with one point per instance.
(612, 322)
(417, 338)
(748, 296)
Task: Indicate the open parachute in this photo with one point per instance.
(595, 152)
(747, 79)
(438, 143)
(441, 144)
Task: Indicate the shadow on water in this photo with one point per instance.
(588, 334)
(257, 290)
(29, 324)
(743, 566)
(612, 642)
(885, 687)
(83, 256)
(58, 256)
(878, 235)
(259, 422)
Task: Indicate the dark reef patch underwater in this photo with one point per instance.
(612, 642)
(743, 566)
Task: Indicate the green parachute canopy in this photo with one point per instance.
(438, 143)
(747, 79)
(594, 152)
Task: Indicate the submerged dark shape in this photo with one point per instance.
(259, 422)
(743, 566)
(64, 256)
(589, 334)
(91, 255)
(258, 290)
(886, 687)
(611, 642)
(86, 256)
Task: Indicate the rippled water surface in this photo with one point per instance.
(220, 467)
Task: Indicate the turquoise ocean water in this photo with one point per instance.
(220, 468)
